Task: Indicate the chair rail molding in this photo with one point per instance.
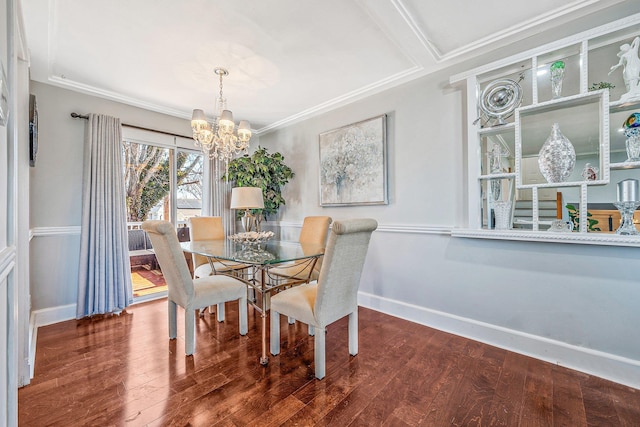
(55, 231)
(386, 228)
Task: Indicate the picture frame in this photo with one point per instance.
(33, 130)
(353, 164)
(4, 97)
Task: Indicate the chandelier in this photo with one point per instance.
(218, 139)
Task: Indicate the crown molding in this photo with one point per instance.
(114, 96)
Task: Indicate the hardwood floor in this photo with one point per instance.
(124, 371)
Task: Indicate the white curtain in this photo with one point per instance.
(104, 276)
(221, 197)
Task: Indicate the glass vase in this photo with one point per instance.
(633, 144)
(502, 211)
(557, 75)
(557, 158)
(627, 227)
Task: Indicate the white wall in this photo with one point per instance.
(576, 305)
(56, 189)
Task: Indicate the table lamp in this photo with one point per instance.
(247, 198)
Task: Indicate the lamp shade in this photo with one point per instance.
(246, 198)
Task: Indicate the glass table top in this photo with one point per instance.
(269, 252)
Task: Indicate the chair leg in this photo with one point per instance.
(353, 333)
(319, 353)
(189, 331)
(221, 312)
(275, 333)
(173, 324)
(312, 330)
(242, 310)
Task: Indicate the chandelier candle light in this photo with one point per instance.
(218, 139)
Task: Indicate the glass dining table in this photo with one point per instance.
(257, 260)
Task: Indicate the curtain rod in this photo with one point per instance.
(86, 117)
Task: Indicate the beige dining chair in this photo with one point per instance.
(210, 228)
(334, 295)
(191, 294)
(314, 230)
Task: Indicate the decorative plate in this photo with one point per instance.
(251, 237)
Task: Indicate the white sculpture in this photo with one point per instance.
(630, 63)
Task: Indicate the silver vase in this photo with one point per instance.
(557, 158)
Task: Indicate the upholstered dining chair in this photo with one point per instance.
(189, 293)
(333, 295)
(314, 230)
(210, 228)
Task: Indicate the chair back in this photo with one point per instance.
(171, 259)
(205, 228)
(315, 230)
(344, 259)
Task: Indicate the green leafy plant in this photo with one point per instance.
(574, 216)
(601, 85)
(263, 170)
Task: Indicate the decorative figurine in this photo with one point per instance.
(495, 158)
(630, 63)
(631, 128)
(589, 173)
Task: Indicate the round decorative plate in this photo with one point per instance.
(251, 237)
(500, 99)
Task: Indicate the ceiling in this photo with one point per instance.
(287, 59)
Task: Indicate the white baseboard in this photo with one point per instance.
(33, 339)
(48, 316)
(44, 317)
(604, 365)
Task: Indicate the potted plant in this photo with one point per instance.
(263, 170)
(574, 216)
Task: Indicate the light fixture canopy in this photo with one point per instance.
(218, 139)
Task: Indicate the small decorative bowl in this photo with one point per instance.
(251, 237)
(633, 121)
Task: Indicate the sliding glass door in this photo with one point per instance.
(160, 183)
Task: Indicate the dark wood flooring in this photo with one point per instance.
(124, 371)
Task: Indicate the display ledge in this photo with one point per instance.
(624, 165)
(615, 106)
(562, 184)
(602, 239)
(493, 130)
(498, 176)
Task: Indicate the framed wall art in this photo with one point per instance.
(33, 130)
(353, 164)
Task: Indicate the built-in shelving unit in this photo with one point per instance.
(503, 159)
